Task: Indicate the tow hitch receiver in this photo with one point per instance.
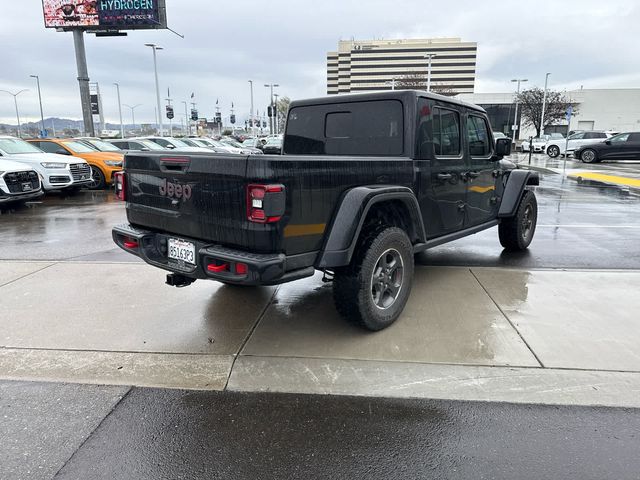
(176, 280)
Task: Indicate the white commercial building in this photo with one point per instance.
(373, 65)
(615, 109)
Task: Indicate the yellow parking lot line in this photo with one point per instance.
(600, 177)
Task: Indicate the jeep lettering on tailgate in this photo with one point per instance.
(175, 190)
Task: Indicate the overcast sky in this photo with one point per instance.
(582, 42)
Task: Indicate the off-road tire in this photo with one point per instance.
(517, 232)
(353, 286)
(553, 151)
(589, 155)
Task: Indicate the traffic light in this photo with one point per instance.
(170, 113)
(270, 111)
(232, 119)
(194, 114)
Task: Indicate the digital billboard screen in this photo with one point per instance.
(104, 14)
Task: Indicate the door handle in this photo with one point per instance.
(444, 176)
(473, 174)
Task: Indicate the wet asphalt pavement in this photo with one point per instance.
(170, 434)
(53, 430)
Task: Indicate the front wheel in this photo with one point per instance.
(553, 151)
(97, 179)
(589, 156)
(517, 232)
(374, 289)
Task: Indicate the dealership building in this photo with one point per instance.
(614, 109)
(373, 65)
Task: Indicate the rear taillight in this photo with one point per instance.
(265, 203)
(119, 182)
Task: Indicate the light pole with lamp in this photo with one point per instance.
(251, 122)
(15, 100)
(43, 133)
(155, 69)
(120, 111)
(271, 86)
(514, 128)
(186, 118)
(544, 102)
(429, 57)
(133, 115)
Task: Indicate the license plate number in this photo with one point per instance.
(26, 187)
(182, 251)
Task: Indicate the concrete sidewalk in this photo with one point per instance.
(545, 336)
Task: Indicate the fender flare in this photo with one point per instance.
(349, 219)
(517, 182)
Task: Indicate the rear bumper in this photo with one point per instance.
(262, 269)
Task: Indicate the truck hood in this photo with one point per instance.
(42, 157)
(12, 166)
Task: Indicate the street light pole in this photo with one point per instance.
(44, 130)
(275, 114)
(544, 102)
(271, 86)
(155, 69)
(429, 57)
(515, 115)
(15, 100)
(133, 115)
(120, 111)
(186, 118)
(251, 110)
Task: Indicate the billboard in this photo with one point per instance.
(104, 14)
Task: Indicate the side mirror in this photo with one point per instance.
(144, 149)
(608, 142)
(503, 147)
(170, 147)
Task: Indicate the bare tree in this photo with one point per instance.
(418, 81)
(556, 106)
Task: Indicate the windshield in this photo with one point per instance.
(230, 142)
(103, 146)
(150, 145)
(78, 147)
(274, 141)
(178, 143)
(190, 143)
(12, 146)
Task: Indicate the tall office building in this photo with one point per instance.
(369, 65)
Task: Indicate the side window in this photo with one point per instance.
(577, 136)
(478, 136)
(622, 138)
(634, 137)
(50, 147)
(446, 132)
(37, 144)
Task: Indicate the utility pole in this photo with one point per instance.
(186, 118)
(544, 101)
(155, 70)
(429, 57)
(251, 109)
(120, 111)
(515, 115)
(271, 86)
(15, 100)
(83, 81)
(133, 115)
(43, 133)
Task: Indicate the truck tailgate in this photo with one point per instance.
(196, 195)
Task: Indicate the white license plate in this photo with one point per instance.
(183, 251)
(26, 187)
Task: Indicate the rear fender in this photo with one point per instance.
(351, 215)
(517, 182)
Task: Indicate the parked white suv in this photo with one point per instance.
(56, 172)
(18, 182)
(557, 146)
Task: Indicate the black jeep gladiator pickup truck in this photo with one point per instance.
(364, 182)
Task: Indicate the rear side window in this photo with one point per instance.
(50, 147)
(478, 136)
(634, 137)
(592, 135)
(446, 132)
(360, 128)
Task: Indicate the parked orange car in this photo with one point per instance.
(103, 164)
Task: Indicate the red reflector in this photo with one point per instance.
(241, 268)
(218, 268)
(131, 244)
(119, 181)
(257, 214)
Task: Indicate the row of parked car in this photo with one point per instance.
(588, 146)
(29, 168)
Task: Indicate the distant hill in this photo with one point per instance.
(59, 124)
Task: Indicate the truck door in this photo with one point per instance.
(481, 204)
(440, 166)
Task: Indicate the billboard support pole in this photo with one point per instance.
(83, 81)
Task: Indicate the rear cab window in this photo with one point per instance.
(368, 128)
